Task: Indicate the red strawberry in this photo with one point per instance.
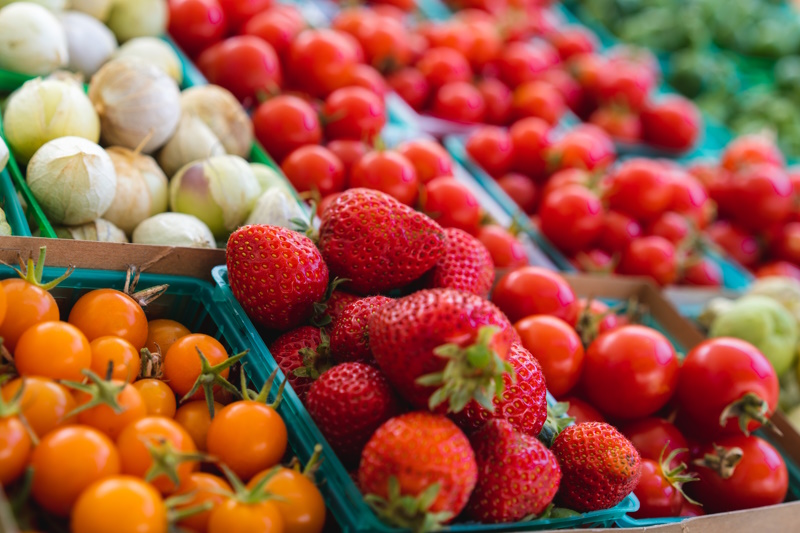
(519, 476)
(599, 466)
(376, 242)
(524, 402)
(440, 335)
(349, 337)
(466, 265)
(337, 302)
(348, 403)
(423, 460)
(302, 355)
(276, 274)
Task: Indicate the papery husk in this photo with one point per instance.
(192, 141)
(223, 114)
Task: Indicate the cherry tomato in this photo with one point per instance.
(573, 40)
(672, 122)
(159, 399)
(196, 24)
(412, 86)
(594, 261)
(459, 101)
(203, 488)
(366, 77)
(31, 305)
(581, 411)
(690, 198)
(452, 204)
(652, 436)
(486, 43)
(238, 12)
(600, 312)
(691, 510)
(759, 479)
(66, 462)
(319, 60)
(520, 62)
(385, 43)
(491, 148)
(162, 333)
(584, 147)
(182, 364)
(245, 65)
(657, 496)
(762, 195)
(618, 232)
(747, 150)
(56, 350)
(557, 348)
(531, 290)
(3, 304)
(443, 65)
(102, 417)
(122, 504)
(521, 189)
(588, 70)
(429, 158)
(653, 257)
(353, 113)
(301, 504)
(389, 172)
(718, 372)
(247, 436)
(497, 101)
(626, 85)
(640, 188)
(620, 124)
(572, 218)
(285, 123)
(44, 403)
(538, 99)
(195, 419)
(278, 26)
(134, 445)
(741, 245)
(530, 138)
(671, 226)
(233, 515)
(778, 268)
(15, 449)
(630, 372)
(314, 167)
(116, 350)
(505, 249)
(104, 312)
(448, 34)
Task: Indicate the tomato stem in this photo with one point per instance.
(33, 272)
(210, 376)
(101, 391)
(166, 460)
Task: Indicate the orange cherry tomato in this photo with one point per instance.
(247, 436)
(122, 504)
(125, 357)
(195, 419)
(110, 312)
(134, 445)
(232, 515)
(104, 418)
(162, 334)
(206, 488)
(15, 449)
(301, 505)
(182, 363)
(3, 304)
(158, 397)
(30, 305)
(56, 350)
(44, 403)
(68, 460)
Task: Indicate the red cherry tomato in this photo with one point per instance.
(533, 290)
(429, 158)
(620, 124)
(460, 102)
(653, 257)
(491, 148)
(557, 348)
(530, 139)
(412, 86)
(538, 99)
(387, 171)
(704, 272)
(626, 85)
(762, 195)
(690, 198)
(569, 89)
(750, 150)
(652, 436)
(521, 189)
(385, 43)
(319, 60)
(497, 97)
(618, 232)
(486, 43)
(196, 24)
(278, 26)
(658, 497)
(366, 77)
(285, 123)
(452, 204)
(353, 113)
(314, 167)
(741, 245)
(599, 311)
(520, 62)
(639, 188)
(671, 226)
(672, 122)
(505, 249)
(573, 40)
(245, 65)
(348, 152)
(778, 268)
(238, 12)
(444, 65)
(571, 218)
(585, 147)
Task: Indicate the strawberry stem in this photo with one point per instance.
(408, 512)
(557, 420)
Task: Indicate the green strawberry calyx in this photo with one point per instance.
(678, 475)
(551, 512)
(315, 361)
(723, 461)
(321, 317)
(409, 512)
(749, 407)
(557, 420)
(474, 372)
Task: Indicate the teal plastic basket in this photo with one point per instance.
(9, 202)
(341, 494)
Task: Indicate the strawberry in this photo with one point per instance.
(337, 302)
(349, 338)
(524, 402)
(599, 466)
(417, 470)
(348, 403)
(276, 274)
(377, 243)
(466, 265)
(519, 476)
(302, 355)
(442, 337)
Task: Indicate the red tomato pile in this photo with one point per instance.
(97, 435)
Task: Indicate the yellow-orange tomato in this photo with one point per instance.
(122, 504)
(125, 357)
(104, 418)
(3, 304)
(301, 505)
(30, 305)
(247, 436)
(15, 449)
(134, 449)
(44, 403)
(110, 312)
(182, 363)
(158, 397)
(204, 488)
(232, 515)
(195, 419)
(162, 334)
(66, 462)
(56, 350)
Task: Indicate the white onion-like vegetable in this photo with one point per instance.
(5, 227)
(32, 40)
(141, 189)
(174, 229)
(276, 207)
(138, 18)
(156, 52)
(135, 101)
(220, 191)
(3, 154)
(72, 179)
(52, 5)
(99, 230)
(268, 178)
(42, 110)
(223, 113)
(191, 142)
(89, 42)
(99, 9)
